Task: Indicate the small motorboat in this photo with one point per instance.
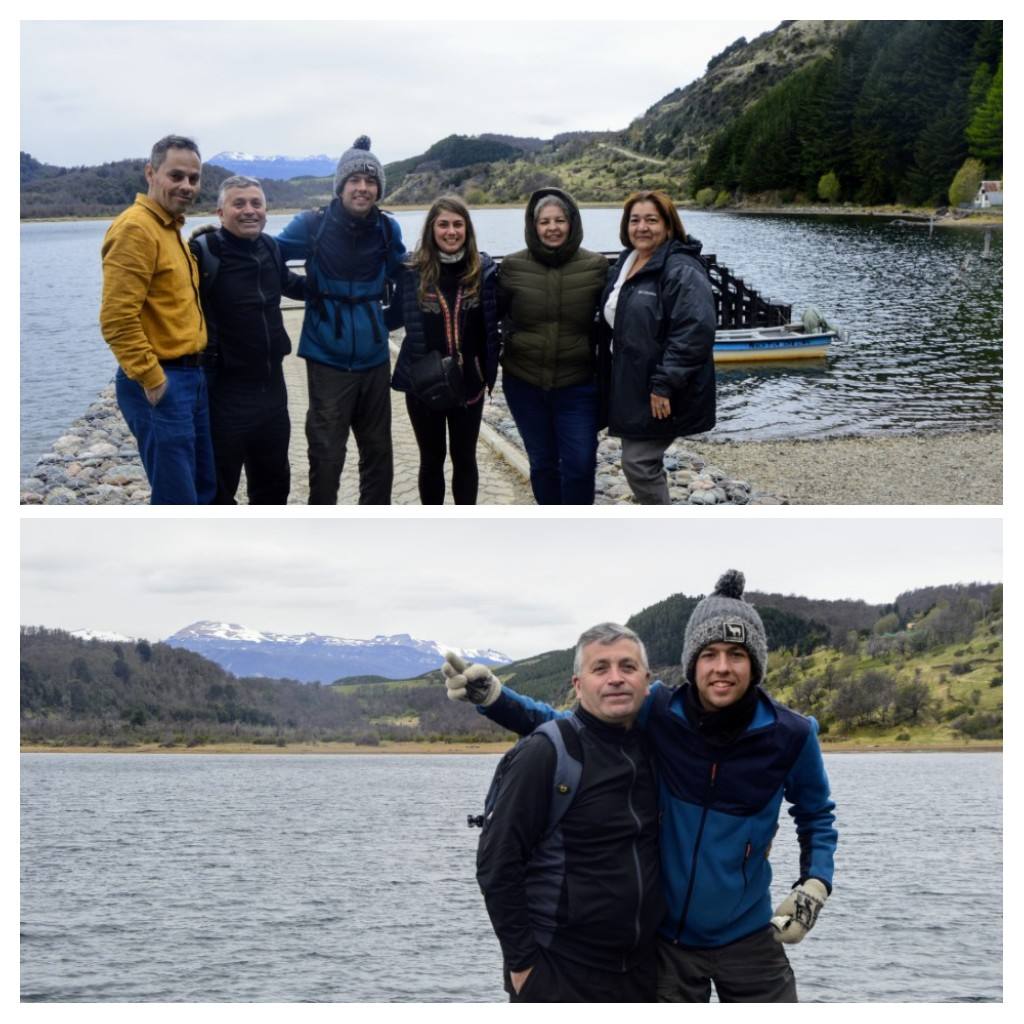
(785, 342)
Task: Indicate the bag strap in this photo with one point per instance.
(568, 768)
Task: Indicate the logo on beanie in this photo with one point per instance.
(734, 632)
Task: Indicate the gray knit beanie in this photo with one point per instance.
(359, 160)
(724, 617)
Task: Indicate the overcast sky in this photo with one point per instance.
(100, 91)
(521, 585)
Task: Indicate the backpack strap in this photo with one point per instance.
(562, 734)
(275, 251)
(209, 263)
(568, 766)
(208, 260)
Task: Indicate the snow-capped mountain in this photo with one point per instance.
(100, 634)
(310, 657)
(278, 168)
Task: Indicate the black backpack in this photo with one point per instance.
(208, 259)
(566, 779)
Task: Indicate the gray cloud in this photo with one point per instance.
(523, 584)
(299, 87)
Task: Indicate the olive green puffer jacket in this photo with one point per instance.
(549, 298)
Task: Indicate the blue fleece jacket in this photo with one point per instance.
(344, 322)
(720, 809)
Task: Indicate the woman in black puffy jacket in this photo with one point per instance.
(660, 306)
(447, 300)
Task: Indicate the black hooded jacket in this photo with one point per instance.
(663, 343)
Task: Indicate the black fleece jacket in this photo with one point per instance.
(592, 892)
(247, 339)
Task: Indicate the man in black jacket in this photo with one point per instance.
(575, 908)
(242, 278)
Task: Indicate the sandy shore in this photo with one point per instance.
(931, 469)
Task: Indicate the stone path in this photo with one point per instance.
(504, 472)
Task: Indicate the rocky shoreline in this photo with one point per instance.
(693, 479)
(96, 462)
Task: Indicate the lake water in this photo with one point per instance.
(351, 878)
(923, 312)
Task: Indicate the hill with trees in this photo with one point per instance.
(106, 190)
(926, 668)
(890, 114)
(873, 112)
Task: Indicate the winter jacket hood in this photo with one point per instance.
(546, 255)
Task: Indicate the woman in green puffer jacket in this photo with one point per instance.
(549, 293)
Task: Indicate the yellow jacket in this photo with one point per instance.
(150, 307)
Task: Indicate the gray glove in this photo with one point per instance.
(796, 914)
(476, 684)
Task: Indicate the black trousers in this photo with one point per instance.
(753, 970)
(250, 428)
(462, 427)
(557, 980)
(340, 401)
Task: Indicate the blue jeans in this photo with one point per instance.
(559, 430)
(173, 436)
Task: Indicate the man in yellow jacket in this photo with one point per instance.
(151, 318)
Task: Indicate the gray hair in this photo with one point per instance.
(235, 181)
(606, 633)
(551, 201)
(159, 151)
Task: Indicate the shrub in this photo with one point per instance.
(903, 737)
(723, 198)
(705, 197)
(965, 184)
(995, 681)
(828, 187)
(980, 727)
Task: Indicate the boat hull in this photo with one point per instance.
(770, 344)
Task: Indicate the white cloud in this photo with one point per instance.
(298, 87)
(523, 585)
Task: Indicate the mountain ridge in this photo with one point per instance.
(313, 657)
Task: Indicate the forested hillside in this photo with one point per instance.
(890, 114)
(113, 694)
(106, 190)
(927, 667)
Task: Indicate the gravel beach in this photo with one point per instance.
(930, 469)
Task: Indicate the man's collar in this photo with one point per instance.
(165, 218)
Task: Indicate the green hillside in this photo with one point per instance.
(873, 112)
(925, 669)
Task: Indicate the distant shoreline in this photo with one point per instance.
(843, 747)
(980, 219)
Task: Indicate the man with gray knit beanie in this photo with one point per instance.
(727, 755)
(351, 248)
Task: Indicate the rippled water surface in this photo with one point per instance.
(351, 878)
(923, 311)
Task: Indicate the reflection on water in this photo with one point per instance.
(923, 310)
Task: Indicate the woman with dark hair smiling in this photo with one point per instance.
(659, 304)
(447, 300)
